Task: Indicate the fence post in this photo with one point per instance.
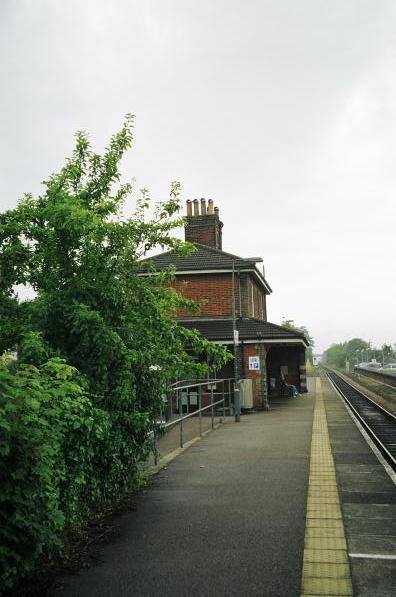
(222, 392)
(237, 402)
(155, 443)
(199, 408)
(211, 401)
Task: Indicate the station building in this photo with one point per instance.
(234, 291)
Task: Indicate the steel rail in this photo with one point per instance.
(378, 422)
(386, 378)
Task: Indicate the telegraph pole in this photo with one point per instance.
(237, 399)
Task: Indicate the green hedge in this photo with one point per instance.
(60, 456)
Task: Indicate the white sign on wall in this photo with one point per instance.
(254, 363)
(193, 398)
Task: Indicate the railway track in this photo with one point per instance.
(377, 421)
(384, 378)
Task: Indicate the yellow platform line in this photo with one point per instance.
(326, 568)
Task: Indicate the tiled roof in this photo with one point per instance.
(249, 329)
(203, 259)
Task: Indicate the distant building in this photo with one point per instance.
(265, 350)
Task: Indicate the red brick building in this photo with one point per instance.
(220, 280)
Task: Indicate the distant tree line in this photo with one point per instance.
(356, 351)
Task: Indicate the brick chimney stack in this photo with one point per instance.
(203, 227)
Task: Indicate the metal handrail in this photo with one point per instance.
(184, 417)
(179, 421)
(202, 383)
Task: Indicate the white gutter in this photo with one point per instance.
(261, 341)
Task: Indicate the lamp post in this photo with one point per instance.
(237, 398)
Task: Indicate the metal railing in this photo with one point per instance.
(181, 395)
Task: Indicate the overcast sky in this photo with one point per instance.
(283, 112)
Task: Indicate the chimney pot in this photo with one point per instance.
(207, 229)
(189, 208)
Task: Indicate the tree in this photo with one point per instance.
(386, 353)
(289, 323)
(96, 348)
(335, 356)
(72, 246)
(353, 351)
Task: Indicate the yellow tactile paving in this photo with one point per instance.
(322, 531)
(326, 566)
(328, 543)
(326, 586)
(322, 497)
(324, 523)
(325, 555)
(333, 570)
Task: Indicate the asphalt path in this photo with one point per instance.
(226, 517)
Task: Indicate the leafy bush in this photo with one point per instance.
(59, 458)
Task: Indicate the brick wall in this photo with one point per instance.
(206, 230)
(253, 298)
(215, 289)
(259, 378)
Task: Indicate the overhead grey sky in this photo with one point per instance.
(283, 112)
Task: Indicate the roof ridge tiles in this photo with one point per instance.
(200, 246)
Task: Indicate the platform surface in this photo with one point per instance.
(229, 515)
(368, 498)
